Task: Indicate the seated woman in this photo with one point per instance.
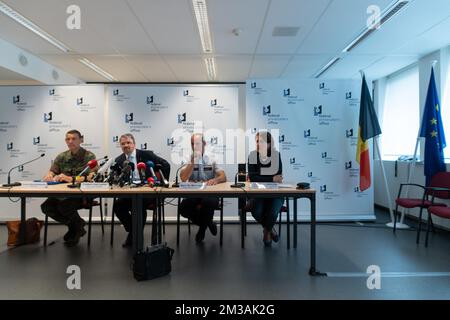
(264, 165)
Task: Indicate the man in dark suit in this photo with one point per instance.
(122, 207)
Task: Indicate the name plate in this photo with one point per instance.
(94, 186)
(193, 185)
(34, 184)
(263, 185)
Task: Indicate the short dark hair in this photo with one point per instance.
(73, 131)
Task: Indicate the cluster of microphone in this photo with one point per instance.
(123, 174)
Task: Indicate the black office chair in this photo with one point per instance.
(220, 208)
(284, 209)
(88, 204)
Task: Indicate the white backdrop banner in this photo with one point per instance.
(162, 119)
(34, 120)
(317, 127)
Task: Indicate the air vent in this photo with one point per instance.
(285, 31)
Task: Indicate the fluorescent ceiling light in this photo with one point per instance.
(97, 69)
(201, 15)
(385, 16)
(8, 11)
(326, 67)
(211, 68)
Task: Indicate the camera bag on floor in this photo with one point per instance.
(154, 262)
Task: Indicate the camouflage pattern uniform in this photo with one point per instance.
(64, 210)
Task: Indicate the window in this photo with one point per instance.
(445, 113)
(401, 119)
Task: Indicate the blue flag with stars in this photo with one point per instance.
(433, 131)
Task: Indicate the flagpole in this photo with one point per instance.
(386, 185)
(390, 224)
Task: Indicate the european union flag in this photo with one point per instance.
(433, 132)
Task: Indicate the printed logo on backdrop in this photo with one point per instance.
(327, 193)
(256, 89)
(13, 152)
(351, 137)
(254, 130)
(351, 100)
(155, 106)
(272, 118)
(324, 89)
(311, 139)
(312, 177)
(213, 141)
(83, 106)
(53, 125)
(291, 99)
(118, 96)
(286, 144)
(324, 118)
(55, 95)
(182, 118)
(144, 146)
(352, 172)
(218, 108)
(5, 125)
(135, 126)
(189, 96)
(327, 158)
(20, 103)
(115, 138)
(295, 164)
(358, 192)
(40, 146)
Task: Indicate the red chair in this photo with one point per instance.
(441, 179)
(437, 210)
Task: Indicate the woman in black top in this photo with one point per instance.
(264, 165)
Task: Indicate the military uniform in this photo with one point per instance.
(65, 210)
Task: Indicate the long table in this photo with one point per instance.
(138, 194)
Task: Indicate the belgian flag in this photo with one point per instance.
(368, 128)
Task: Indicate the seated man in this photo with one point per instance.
(200, 168)
(122, 206)
(67, 165)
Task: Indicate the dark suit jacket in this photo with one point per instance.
(144, 156)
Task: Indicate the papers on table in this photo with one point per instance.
(193, 185)
(94, 186)
(34, 184)
(264, 185)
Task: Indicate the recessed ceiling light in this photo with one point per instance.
(201, 15)
(211, 68)
(10, 12)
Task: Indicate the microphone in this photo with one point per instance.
(141, 168)
(126, 173)
(176, 184)
(113, 173)
(165, 182)
(236, 184)
(103, 168)
(16, 184)
(90, 165)
(151, 182)
(150, 165)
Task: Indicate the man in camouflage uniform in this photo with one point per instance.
(65, 166)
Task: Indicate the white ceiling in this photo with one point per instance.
(158, 41)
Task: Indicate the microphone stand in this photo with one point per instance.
(236, 184)
(176, 184)
(16, 184)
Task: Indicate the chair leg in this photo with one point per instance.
(221, 222)
(112, 224)
(395, 218)
(428, 230)
(163, 218)
(245, 222)
(279, 223)
(419, 226)
(101, 217)
(90, 224)
(178, 223)
(288, 225)
(189, 226)
(45, 230)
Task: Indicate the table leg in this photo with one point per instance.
(295, 223)
(23, 219)
(312, 269)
